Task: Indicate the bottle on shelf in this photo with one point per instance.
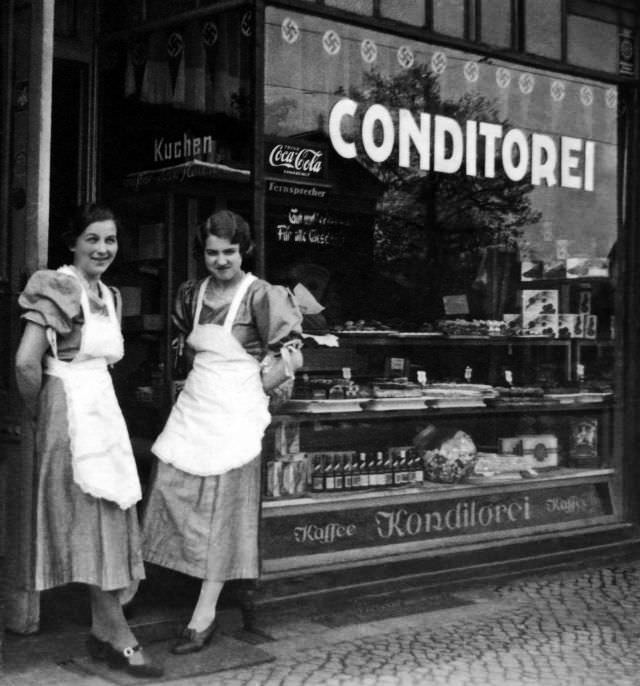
(338, 473)
(363, 468)
(317, 475)
(418, 468)
(356, 483)
(396, 469)
(379, 469)
(388, 470)
(329, 479)
(402, 471)
(347, 470)
(371, 468)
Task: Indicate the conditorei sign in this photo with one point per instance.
(445, 145)
(318, 532)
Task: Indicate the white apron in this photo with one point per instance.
(102, 458)
(219, 419)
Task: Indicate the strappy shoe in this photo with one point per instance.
(121, 659)
(193, 641)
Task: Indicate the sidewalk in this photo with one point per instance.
(577, 626)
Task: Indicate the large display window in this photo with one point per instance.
(449, 223)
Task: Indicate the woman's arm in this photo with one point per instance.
(32, 348)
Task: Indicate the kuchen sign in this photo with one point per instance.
(429, 520)
(445, 145)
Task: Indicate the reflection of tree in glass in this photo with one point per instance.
(277, 116)
(442, 221)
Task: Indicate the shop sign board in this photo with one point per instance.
(626, 53)
(296, 190)
(317, 532)
(295, 159)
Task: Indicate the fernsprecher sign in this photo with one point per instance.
(296, 159)
(445, 145)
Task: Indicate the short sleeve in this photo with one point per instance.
(276, 314)
(184, 306)
(51, 299)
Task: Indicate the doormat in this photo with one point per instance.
(254, 636)
(223, 653)
(375, 608)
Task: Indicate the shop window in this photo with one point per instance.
(495, 22)
(407, 11)
(449, 17)
(542, 22)
(592, 44)
(356, 6)
(433, 205)
(178, 94)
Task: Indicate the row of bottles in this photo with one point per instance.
(330, 473)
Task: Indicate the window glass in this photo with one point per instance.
(542, 27)
(592, 44)
(429, 191)
(408, 11)
(448, 17)
(496, 22)
(357, 6)
(176, 95)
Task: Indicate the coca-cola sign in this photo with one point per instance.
(296, 159)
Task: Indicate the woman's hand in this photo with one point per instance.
(31, 350)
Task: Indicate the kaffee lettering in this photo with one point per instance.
(568, 162)
(568, 505)
(313, 533)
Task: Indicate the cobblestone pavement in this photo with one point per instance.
(558, 629)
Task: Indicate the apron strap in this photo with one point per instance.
(199, 299)
(237, 299)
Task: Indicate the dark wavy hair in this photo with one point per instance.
(83, 216)
(225, 224)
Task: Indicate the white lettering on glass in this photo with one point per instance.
(569, 161)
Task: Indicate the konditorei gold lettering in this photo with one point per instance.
(467, 514)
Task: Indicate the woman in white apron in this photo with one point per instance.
(202, 514)
(87, 482)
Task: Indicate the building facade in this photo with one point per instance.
(449, 189)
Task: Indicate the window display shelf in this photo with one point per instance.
(311, 534)
(363, 415)
(391, 339)
(438, 490)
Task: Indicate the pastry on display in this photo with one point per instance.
(362, 325)
(396, 389)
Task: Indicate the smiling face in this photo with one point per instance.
(222, 259)
(95, 249)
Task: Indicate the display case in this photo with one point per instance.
(523, 441)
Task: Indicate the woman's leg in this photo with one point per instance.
(205, 609)
(108, 622)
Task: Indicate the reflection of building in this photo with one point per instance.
(478, 157)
